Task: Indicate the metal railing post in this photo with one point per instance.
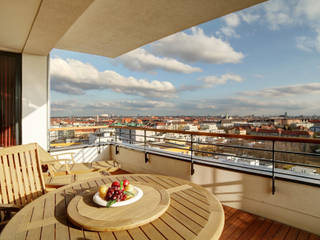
(191, 149)
(99, 151)
(130, 137)
(145, 139)
(273, 169)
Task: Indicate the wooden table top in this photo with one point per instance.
(193, 213)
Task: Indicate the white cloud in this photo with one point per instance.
(277, 13)
(141, 60)
(211, 81)
(249, 17)
(286, 91)
(232, 20)
(197, 47)
(75, 77)
(60, 108)
(309, 8)
(228, 31)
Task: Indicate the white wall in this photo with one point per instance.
(35, 99)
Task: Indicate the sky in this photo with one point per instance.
(264, 60)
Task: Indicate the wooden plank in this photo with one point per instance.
(188, 222)
(14, 180)
(49, 228)
(239, 224)
(19, 178)
(16, 228)
(275, 226)
(62, 229)
(292, 234)
(35, 233)
(314, 237)
(138, 234)
(107, 236)
(203, 205)
(252, 229)
(75, 233)
(178, 227)
(188, 212)
(259, 234)
(3, 195)
(123, 235)
(303, 235)
(36, 173)
(26, 183)
(30, 175)
(43, 185)
(7, 177)
(165, 230)
(152, 232)
(281, 233)
(190, 205)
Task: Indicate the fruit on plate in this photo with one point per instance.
(119, 191)
(103, 191)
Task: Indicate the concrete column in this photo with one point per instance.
(35, 99)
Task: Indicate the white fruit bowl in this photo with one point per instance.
(138, 193)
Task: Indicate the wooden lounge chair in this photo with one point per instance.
(64, 164)
(21, 179)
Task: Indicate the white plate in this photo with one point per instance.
(137, 191)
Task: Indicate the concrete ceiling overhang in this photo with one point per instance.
(102, 27)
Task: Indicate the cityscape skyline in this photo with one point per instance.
(263, 61)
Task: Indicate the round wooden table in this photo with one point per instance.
(194, 213)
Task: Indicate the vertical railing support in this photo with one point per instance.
(130, 137)
(145, 139)
(273, 169)
(191, 149)
(99, 151)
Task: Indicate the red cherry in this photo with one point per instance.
(115, 184)
(125, 182)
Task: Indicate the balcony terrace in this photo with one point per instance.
(261, 195)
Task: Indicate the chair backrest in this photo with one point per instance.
(21, 178)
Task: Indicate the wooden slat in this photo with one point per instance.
(152, 232)
(177, 227)
(281, 233)
(8, 183)
(292, 234)
(36, 173)
(123, 235)
(3, 195)
(239, 225)
(303, 235)
(19, 178)
(30, 175)
(165, 230)
(107, 236)
(188, 222)
(37, 216)
(49, 228)
(252, 229)
(14, 180)
(62, 230)
(75, 233)
(137, 233)
(25, 177)
(260, 233)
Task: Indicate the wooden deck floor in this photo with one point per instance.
(241, 225)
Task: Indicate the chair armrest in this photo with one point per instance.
(56, 156)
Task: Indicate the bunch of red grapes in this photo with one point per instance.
(116, 191)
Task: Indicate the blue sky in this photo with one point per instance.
(264, 60)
